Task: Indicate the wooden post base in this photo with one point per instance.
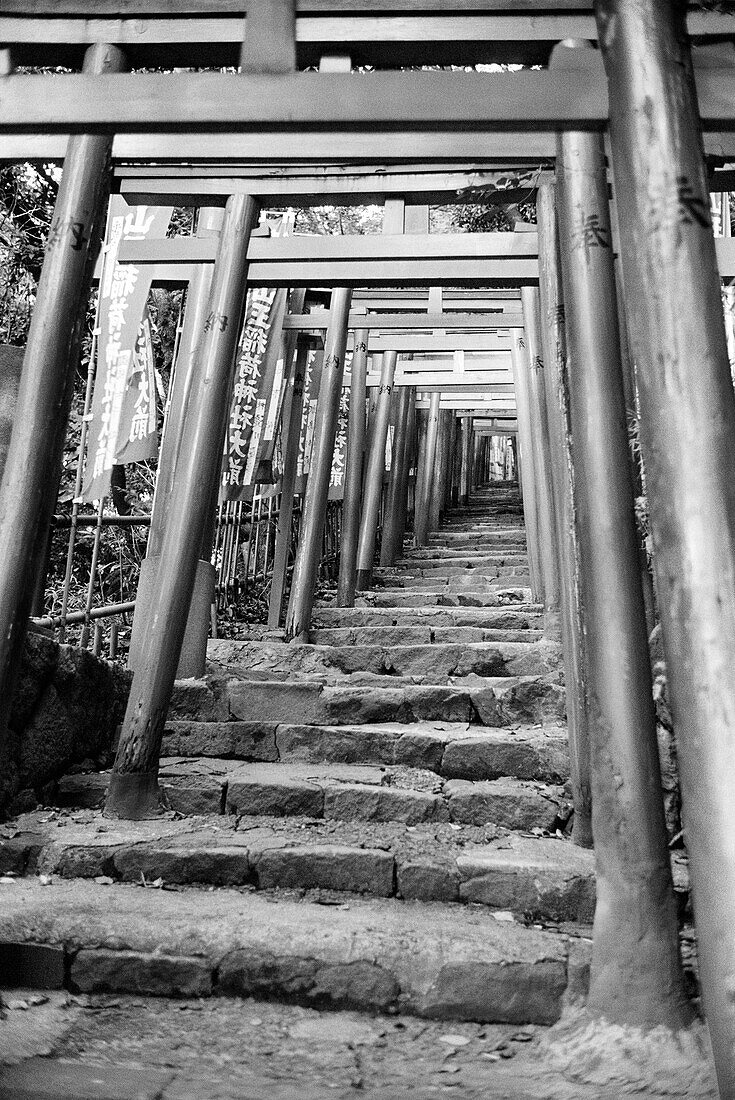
(134, 796)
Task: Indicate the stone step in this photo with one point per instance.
(372, 955)
(413, 635)
(458, 555)
(472, 542)
(472, 582)
(452, 750)
(496, 565)
(430, 617)
(338, 792)
(476, 531)
(534, 877)
(385, 631)
(490, 701)
(432, 663)
(443, 573)
(516, 598)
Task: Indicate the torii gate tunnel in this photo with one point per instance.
(604, 307)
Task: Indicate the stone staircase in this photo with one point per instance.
(375, 820)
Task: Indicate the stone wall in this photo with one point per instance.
(67, 707)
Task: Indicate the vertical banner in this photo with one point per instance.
(264, 466)
(123, 294)
(722, 227)
(255, 372)
(138, 417)
(259, 386)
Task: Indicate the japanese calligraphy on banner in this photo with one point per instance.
(258, 388)
(339, 456)
(722, 227)
(312, 381)
(264, 466)
(123, 390)
(138, 415)
(255, 374)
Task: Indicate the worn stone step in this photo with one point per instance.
(430, 557)
(474, 533)
(534, 876)
(432, 617)
(518, 598)
(459, 555)
(467, 579)
(436, 961)
(431, 663)
(491, 701)
(501, 564)
(475, 539)
(338, 792)
(453, 750)
(418, 575)
(427, 634)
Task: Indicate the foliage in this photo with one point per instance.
(27, 196)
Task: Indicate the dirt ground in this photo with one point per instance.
(59, 1047)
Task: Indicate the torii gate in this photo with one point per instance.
(333, 261)
(671, 295)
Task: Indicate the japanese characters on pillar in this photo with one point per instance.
(337, 476)
(123, 427)
(312, 381)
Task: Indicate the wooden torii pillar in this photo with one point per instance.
(556, 381)
(410, 461)
(436, 505)
(519, 354)
(351, 503)
(374, 472)
(133, 791)
(34, 458)
(426, 474)
(636, 975)
(293, 404)
(465, 473)
(541, 457)
(194, 649)
(314, 511)
(395, 506)
(687, 422)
